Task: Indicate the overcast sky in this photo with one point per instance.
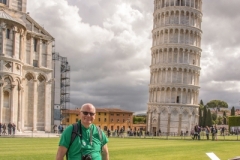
(107, 43)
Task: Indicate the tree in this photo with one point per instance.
(214, 117)
(209, 118)
(233, 111)
(200, 109)
(200, 120)
(217, 104)
(219, 120)
(224, 118)
(204, 118)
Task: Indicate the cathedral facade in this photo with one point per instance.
(175, 66)
(25, 69)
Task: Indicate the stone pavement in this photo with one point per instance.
(32, 134)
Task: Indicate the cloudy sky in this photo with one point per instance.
(107, 43)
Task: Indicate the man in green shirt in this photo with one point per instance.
(87, 143)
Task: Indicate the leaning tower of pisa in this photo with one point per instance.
(175, 66)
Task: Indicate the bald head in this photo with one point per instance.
(87, 106)
(87, 114)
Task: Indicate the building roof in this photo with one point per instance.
(4, 15)
(75, 111)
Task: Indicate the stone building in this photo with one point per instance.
(175, 66)
(105, 118)
(25, 69)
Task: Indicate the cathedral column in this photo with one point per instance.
(35, 100)
(31, 50)
(22, 105)
(21, 50)
(47, 106)
(40, 53)
(3, 39)
(19, 113)
(14, 44)
(12, 108)
(1, 100)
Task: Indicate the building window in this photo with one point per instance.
(118, 114)
(112, 114)
(3, 1)
(123, 120)
(8, 34)
(105, 114)
(99, 119)
(76, 119)
(35, 45)
(123, 114)
(178, 99)
(117, 120)
(35, 63)
(76, 114)
(99, 113)
(111, 120)
(67, 120)
(105, 119)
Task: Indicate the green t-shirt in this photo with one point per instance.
(83, 147)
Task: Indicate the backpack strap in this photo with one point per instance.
(100, 136)
(73, 136)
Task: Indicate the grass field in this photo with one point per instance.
(123, 149)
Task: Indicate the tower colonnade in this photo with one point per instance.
(175, 66)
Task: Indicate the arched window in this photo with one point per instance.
(8, 34)
(6, 100)
(3, 1)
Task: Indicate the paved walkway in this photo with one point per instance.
(32, 134)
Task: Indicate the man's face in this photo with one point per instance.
(87, 115)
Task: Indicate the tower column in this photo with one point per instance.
(1, 101)
(35, 100)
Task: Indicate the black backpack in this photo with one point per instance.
(75, 134)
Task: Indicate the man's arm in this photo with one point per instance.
(61, 152)
(105, 155)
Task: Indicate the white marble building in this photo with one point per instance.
(25, 69)
(175, 66)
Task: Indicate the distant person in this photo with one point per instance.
(9, 128)
(108, 133)
(87, 144)
(4, 129)
(207, 130)
(13, 128)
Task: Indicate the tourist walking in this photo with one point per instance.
(13, 128)
(4, 129)
(9, 128)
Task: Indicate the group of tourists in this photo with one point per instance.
(8, 129)
(58, 129)
(196, 132)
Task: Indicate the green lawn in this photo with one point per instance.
(123, 148)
